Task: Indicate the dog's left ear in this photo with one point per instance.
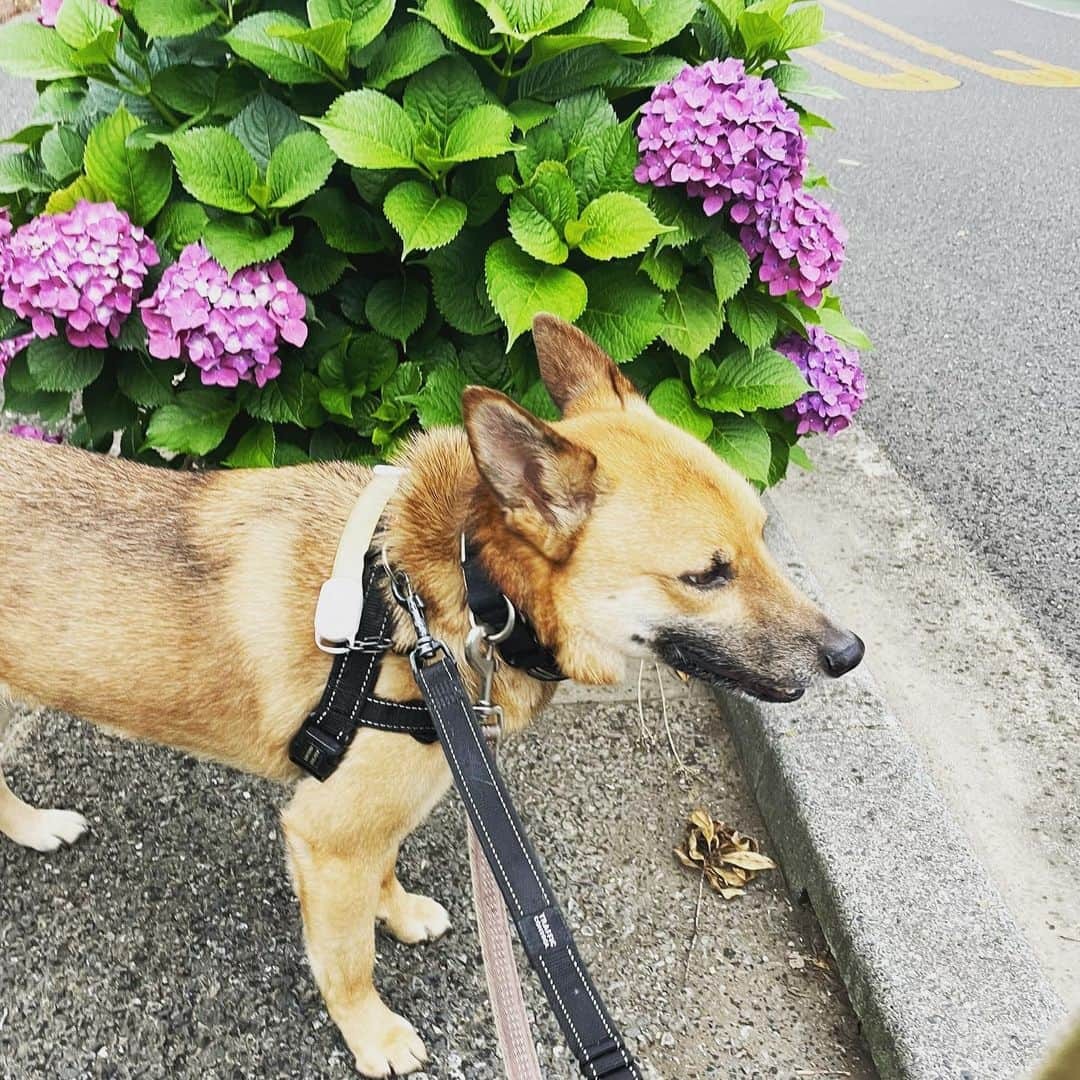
(578, 374)
(543, 481)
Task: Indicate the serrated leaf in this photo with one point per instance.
(520, 287)
(179, 224)
(366, 18)
(262, 125)
(760, 32)
(299, 166)
(344, 225)
(592, 27)
(215, 168)
(195, 423)
(687, 221)
(671, 400)
(315, 267)
(138, 181)
(257, 449)
(240, 242)
(174, 18)
(746, 381)
(187, 88)
(663, 268)
(80, 22)
(692, 320)
(62, 152)
(368, 130)
(406, 51)
(23, 172)
(524, 20)
(68, 198)
(104, 410)
(438, 404)
(752, 318)
(743, 444)
(281, 401)
(834, 322)
(283, 60)
(570, 72)
(540, 211)
(56, 365)
(31, 51)
(441, 93)
(421, 218)
(615, 226)
(607, 163)
(537, 399)
(480, 132)
(477, 185)
(457, 282)
(463, 23)
(396, 307)
(624, 313)
(145, 380)
(666, 19)
(730, 265)
(802, 27)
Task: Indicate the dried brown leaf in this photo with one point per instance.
(729, 859)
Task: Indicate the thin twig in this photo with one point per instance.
(822, 1072)
(667, 727)
(641, 706)
(693, 936)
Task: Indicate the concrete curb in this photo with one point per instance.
(940, 976)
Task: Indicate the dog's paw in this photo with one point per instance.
(46, 830)
(385, 1044)
(417, 918)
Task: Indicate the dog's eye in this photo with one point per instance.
(716, 574)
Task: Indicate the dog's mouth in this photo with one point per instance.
(687, 655)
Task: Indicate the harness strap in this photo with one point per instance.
(549, 945)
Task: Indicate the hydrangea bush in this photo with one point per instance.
(254, 232)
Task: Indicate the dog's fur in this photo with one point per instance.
(177, 607)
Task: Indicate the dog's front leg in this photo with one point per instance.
(342, 839)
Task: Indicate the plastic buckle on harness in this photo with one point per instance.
(605, 1058)
(316, 751)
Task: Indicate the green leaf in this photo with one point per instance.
(215, 168)
(760, 32)
(68, 198)
(104, 410)
(607, 163)
(329, 42)
(147, 381)
(624, 313)
(616, 225)
(281, 400)
(421, 218)
(239, 242)
(802, 27)
(80, 22)
(730, 265)
(457, 282)
(257, 449)
(692, 320)
(667, 18)
(441, 93)
(537, 399)
(298, 167)
(56, 365)
(671, 400)
(369, 130)
(195, 423)
(525, 19)
(744, 445)
(664, 268)
(31, 51)
(187, 88)
(752, 318)
(367, 18)
(62, 152)
(528, 114)
(50, 406)
(520, 287)
(592, 27)
(262, 125)
(463, 23)
(396, 307)
(315, 267)
(579, 69)
(477, 186)
(344, 225)
(22, 172)
(481, 132)
(179, 224)
(833, 321)
(406, 51)
(283, 60)
(798, 456)
(746, 381)
(138, 181)
(540, 211)
(438, 404)
(174, 18)
(688, 222)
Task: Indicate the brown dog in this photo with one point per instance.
(177, 607)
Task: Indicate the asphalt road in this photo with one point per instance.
(963, 268)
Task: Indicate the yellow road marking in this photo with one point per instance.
(905, 76)
(1041, 74)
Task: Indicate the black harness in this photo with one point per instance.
(446, 713)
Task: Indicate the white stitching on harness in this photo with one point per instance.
(397, 704)
(565, 1011)
(596, 1006)
(371, 672)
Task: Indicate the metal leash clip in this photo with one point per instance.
(427, 648)
(480, 652)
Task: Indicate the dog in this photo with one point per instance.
(176, 607)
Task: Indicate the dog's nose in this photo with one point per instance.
(841, 652)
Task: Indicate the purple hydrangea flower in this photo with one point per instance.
(28, 431)
(832, 369)
(230, 328)
(801, 244)
(51, 8)
(84, 267)
(10, 348)
(726, 135)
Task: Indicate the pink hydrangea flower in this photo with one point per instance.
(28, 431)
(832, 369)
(727, 136)
(51, 8)
(11, 348)
(801, 244)
(230, 328)
(83, 267)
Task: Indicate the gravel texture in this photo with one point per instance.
(167, 942)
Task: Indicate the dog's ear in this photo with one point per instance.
(544, 482)
(579, 375)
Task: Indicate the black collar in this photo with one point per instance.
(492, 608)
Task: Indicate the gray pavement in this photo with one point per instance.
(166, 943)
(965, 242)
